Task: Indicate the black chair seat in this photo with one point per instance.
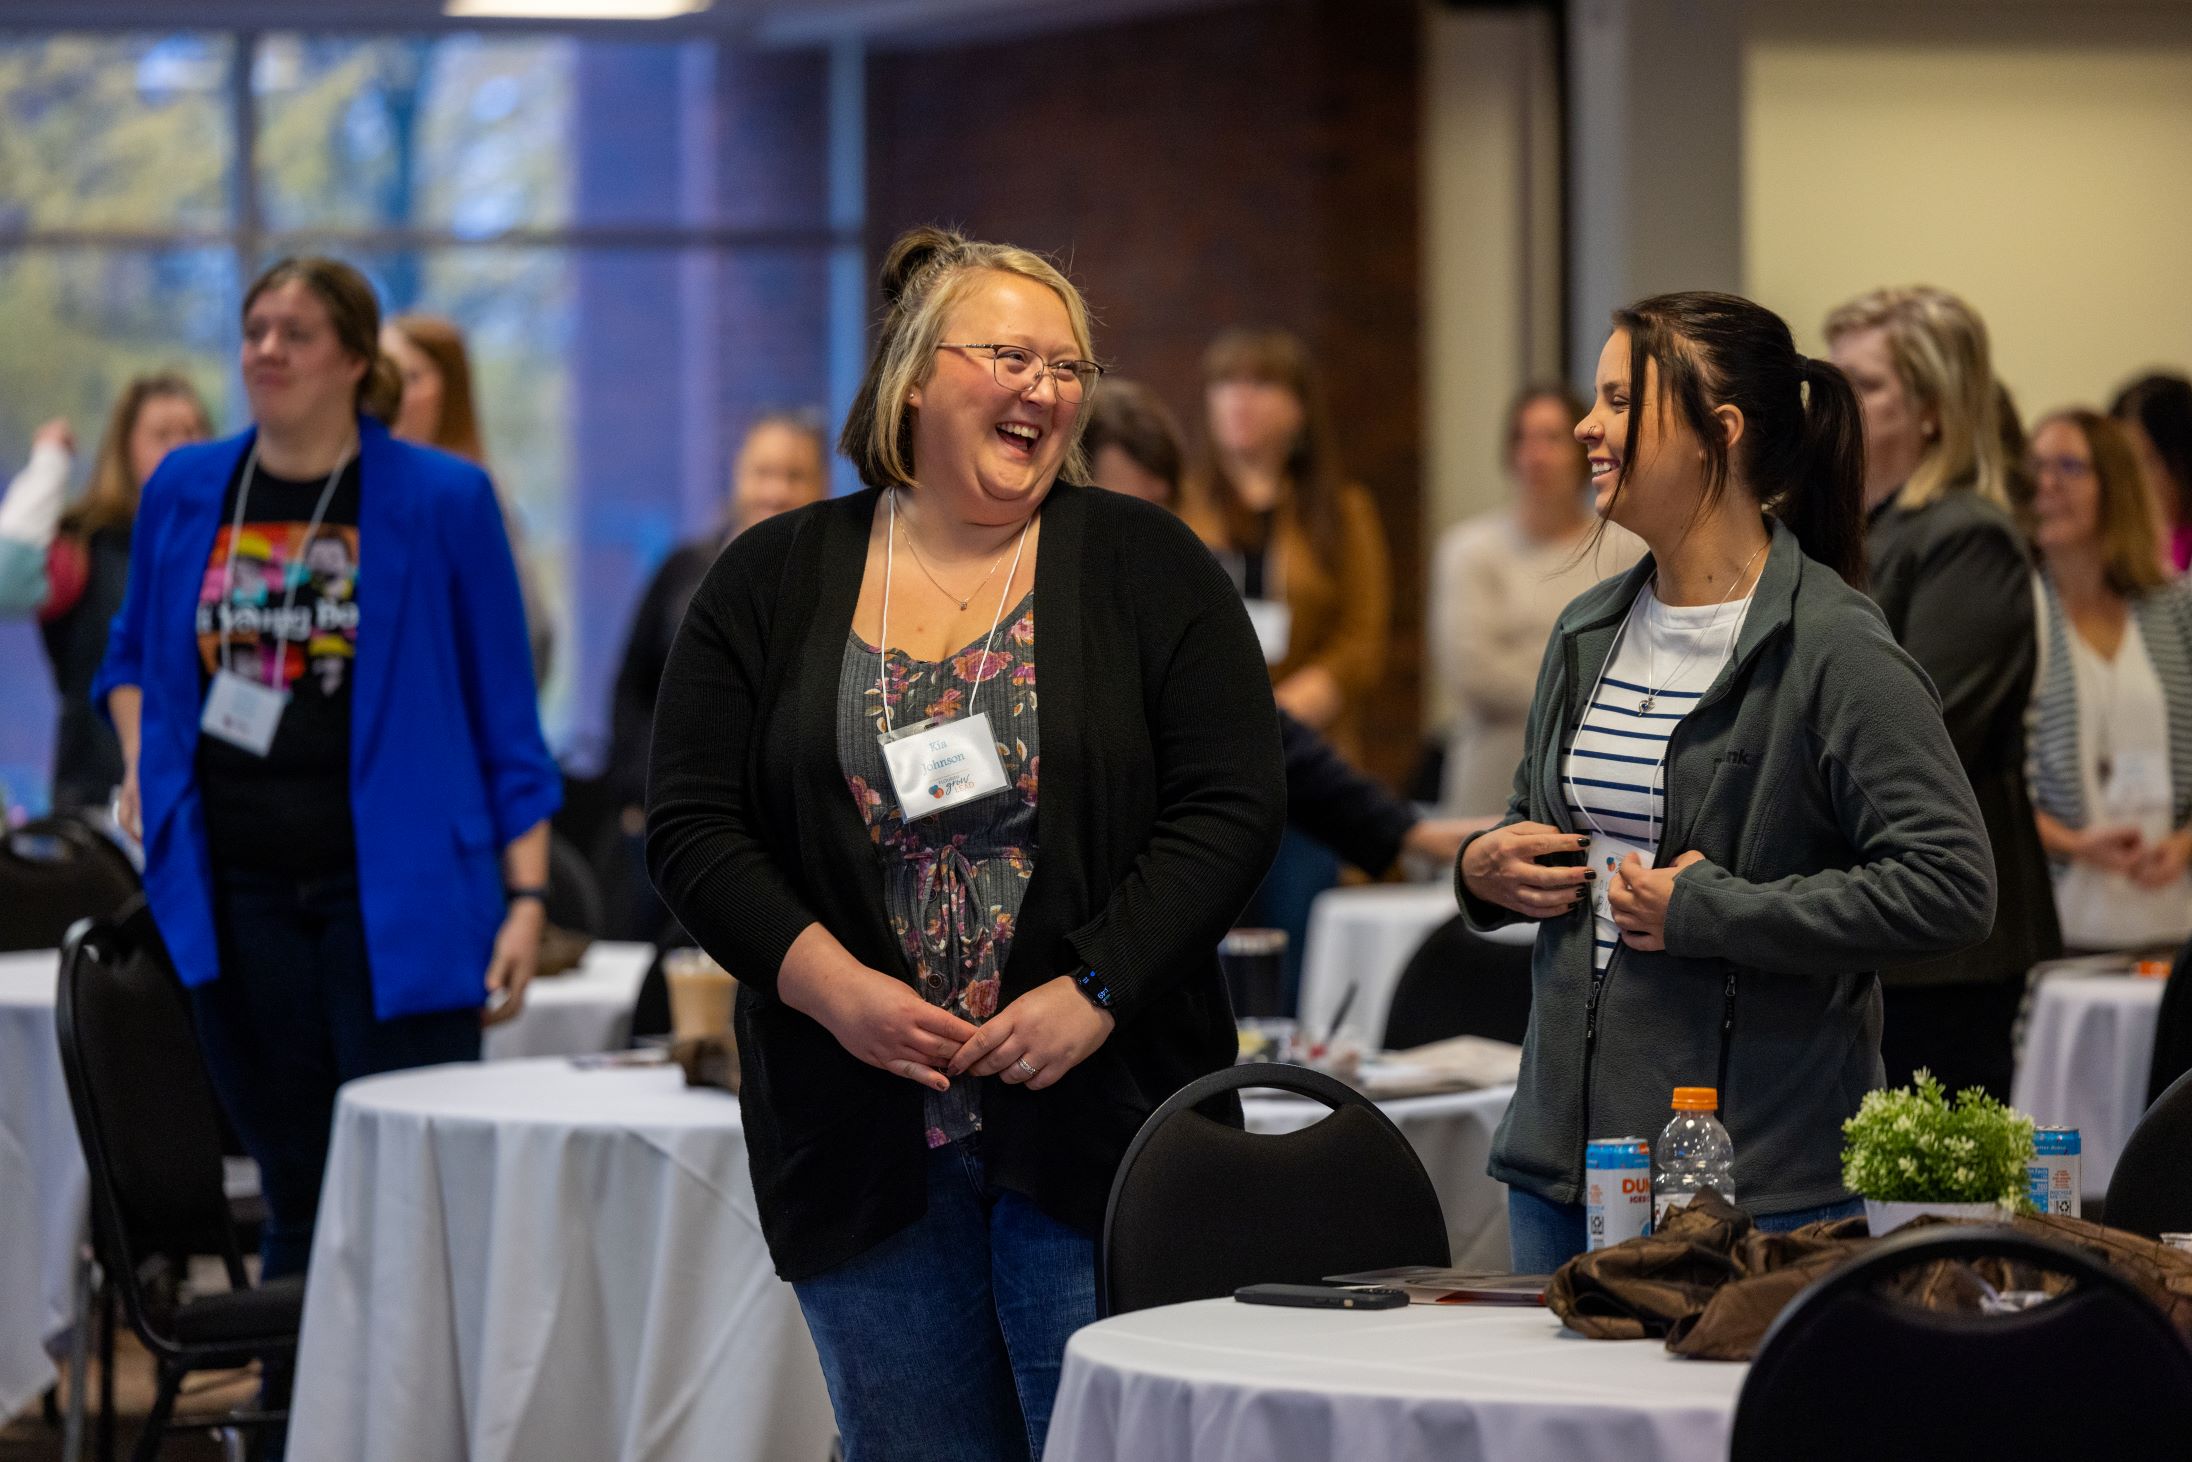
(1849, 1370)
(1200, 1207)
(1458, 983)
(2150, 1192)
(269, 1314)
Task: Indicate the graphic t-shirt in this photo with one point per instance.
(289, 809)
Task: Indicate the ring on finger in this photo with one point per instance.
(1024, 1068)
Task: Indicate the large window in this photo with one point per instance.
(632, 235)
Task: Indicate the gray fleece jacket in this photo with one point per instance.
(1839, 835)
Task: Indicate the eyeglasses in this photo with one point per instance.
(1020, 370)
(2073, 469)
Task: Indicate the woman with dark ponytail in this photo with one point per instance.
(1737, 799)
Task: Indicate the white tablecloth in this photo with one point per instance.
(583, 1010)
(1453, 1135)
(43, 1186)
(522, 1262)
(1218, 1381)
(2089, 1050)
(1364, 937)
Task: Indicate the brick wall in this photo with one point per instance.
(1248, 165)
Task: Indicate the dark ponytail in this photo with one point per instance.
(1803, 439)
(1823, 499)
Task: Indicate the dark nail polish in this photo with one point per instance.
(1590, 875)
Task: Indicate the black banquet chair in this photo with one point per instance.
(2172, 1029)
(1200, 1207)
(151, 1134)
(54, 871)
(2150, 1192)
(1458, 983)
(1848, 1371)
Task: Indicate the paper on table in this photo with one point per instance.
(1460, 1064)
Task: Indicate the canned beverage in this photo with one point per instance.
(2051, 1182)
(1617, 1188)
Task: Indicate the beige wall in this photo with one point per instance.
(2034, 160)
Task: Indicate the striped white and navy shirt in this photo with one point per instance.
(1614, 776)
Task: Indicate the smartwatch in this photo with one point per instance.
(1095, 987)
(535, 892)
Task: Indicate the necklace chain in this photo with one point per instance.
(1651, 651)
(961, 600)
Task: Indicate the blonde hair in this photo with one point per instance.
(1939, 346)
(927, 271)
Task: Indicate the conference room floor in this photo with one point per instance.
(29, 1439)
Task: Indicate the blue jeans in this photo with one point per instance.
(1543, 1235)
(943, 1342)
(291, 1019)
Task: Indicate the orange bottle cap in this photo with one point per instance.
(1696, 1099)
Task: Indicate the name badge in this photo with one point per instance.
(2135, 786)
(1607, 855)
(1274, 622)
(243, 712)
(935, 765)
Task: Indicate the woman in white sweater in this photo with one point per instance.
(1498, 583)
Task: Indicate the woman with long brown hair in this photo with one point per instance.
(439, 410)
(1305, 549)
(79, 566)
(2112, 754)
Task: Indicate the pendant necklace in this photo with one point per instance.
(1651, 652)
(961, 601)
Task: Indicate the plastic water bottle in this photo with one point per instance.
(1693, 1153)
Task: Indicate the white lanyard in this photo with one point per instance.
(290, 572)
(882, 648)
(1659, 767)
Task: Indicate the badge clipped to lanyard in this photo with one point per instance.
(938, 764)
(238, 709)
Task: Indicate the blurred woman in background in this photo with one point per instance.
(330, 745)
(1498, 584)
(2113, 749)
(2156, 411)
(438, 410)
(1949, 570)
(73, 570)
(1305, 549)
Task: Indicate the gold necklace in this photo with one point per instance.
(961, 600)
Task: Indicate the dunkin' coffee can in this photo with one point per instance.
(2051, 1181)
(1617, 1189)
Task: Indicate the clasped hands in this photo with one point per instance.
(1033, 1041)
(1501, 868)
(2155, 864)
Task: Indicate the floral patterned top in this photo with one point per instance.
(952, 881)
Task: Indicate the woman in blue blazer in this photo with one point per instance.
(322, 687)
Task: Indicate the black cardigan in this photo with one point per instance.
(1953, 580)
(1161, 807)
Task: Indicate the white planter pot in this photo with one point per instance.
(1886, 1218)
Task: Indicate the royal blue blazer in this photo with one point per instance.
(447, 760)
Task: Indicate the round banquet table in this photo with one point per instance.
(1364, 937)
(1218, 1381)
(1452, 1133)
(2089, 1050)
(546, 1262)
(582, 1010)
(44, 1189)
(520, 1260)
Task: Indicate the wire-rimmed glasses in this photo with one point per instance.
(1019, 370)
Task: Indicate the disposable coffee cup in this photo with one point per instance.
(701, 994)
